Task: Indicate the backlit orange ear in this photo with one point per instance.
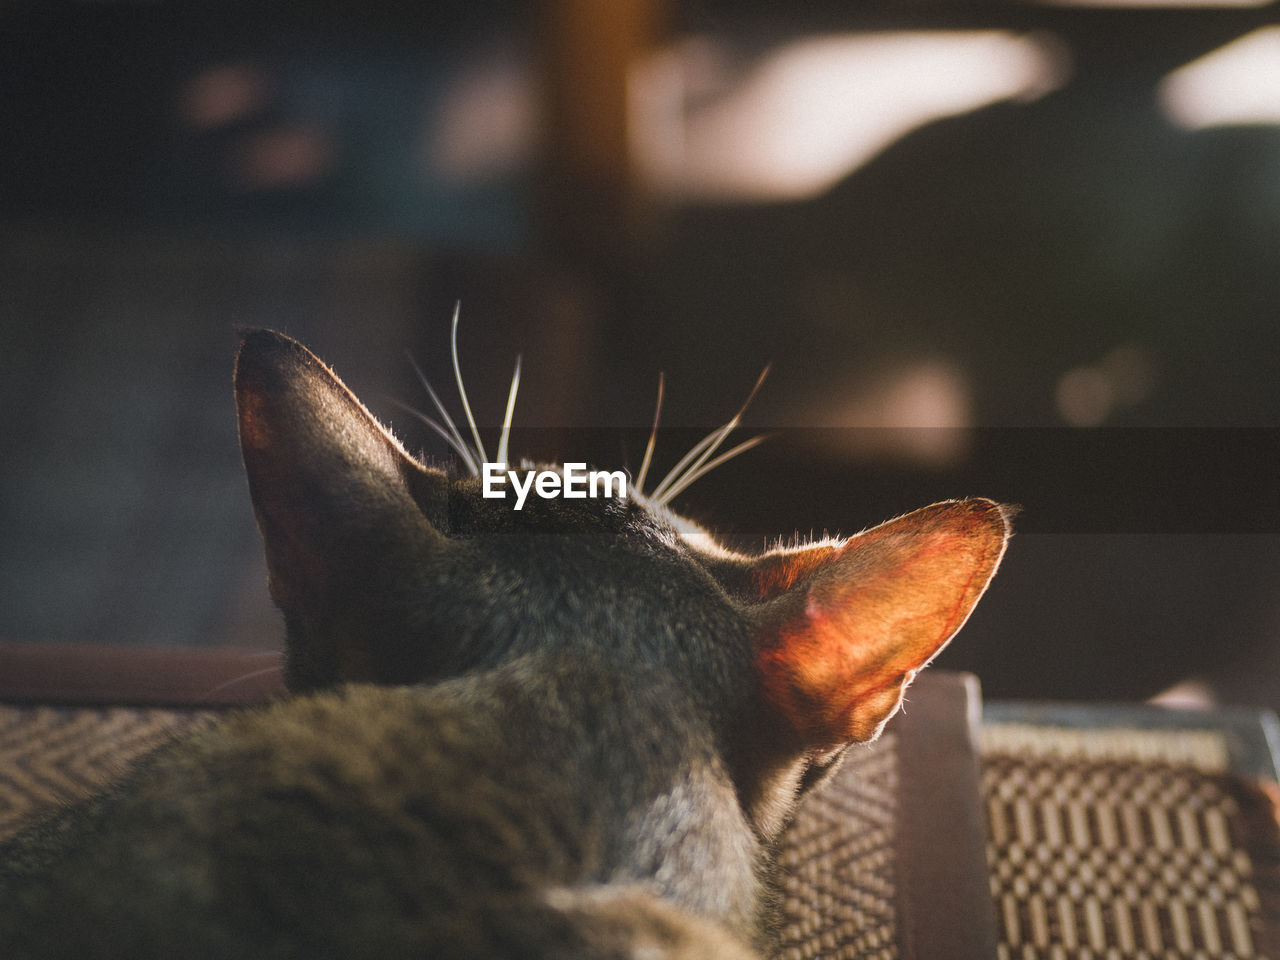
(851, 624)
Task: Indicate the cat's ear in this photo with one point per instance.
(336, 496)
(845, 627)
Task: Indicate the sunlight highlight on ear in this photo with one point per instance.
(837, 648)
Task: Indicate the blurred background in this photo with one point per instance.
(1023, 250)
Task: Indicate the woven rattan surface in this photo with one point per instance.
(1125, 845)
(50, 755)
(839, 895)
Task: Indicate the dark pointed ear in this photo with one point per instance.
(849, 624)
(337, 498)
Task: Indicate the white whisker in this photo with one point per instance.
(716, 439)
(696, 458)
(674, 473)
(506, 418)
(453, 440)
(462, 391)
(700, 460)
(241, 679)
(699, 472)
(453, 436)
(653, 439)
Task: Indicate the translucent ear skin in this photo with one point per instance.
(838, 646)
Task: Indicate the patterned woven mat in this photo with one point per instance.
(54, 755)
(1130, 844)
(839, 895)
(1102, 846)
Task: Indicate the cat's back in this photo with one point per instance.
(456, 819)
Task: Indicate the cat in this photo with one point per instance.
(573, 730)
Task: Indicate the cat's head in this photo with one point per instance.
(392, 572)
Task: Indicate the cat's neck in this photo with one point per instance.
(669, 820)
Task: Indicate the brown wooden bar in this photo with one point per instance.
(122, 674)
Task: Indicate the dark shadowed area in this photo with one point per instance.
(1023, 251)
